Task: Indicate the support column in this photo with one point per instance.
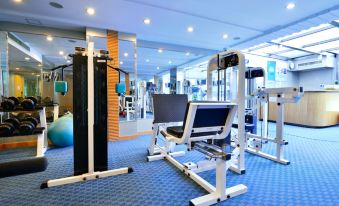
(127, 84)
(4, 67)
(113, 79)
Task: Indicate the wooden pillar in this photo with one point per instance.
(127, 84)
(113, 79)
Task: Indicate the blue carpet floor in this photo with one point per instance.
(312, 178)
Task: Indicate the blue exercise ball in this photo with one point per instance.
(60, 132)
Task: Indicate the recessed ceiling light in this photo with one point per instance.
(17, 68)
(121, 62)
(49, 38)
(90, 11)
(125, 54)
(290, 6)
(68, 61)
(38, 75)
(147, 60)
(147, 21)
(61, 52)
(32, 73)
(17, 1)
(187, 53)
(190, 29)
(225, 36)
(169, 62)
(158, 68)
(160, 50)
(27, 58)
(56, 5)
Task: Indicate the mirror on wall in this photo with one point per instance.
(24, 69)
(31, 59)
(128, 101)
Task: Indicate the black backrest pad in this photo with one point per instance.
(210, 117)
(169, 107)
(129, 99)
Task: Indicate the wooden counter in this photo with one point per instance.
(315, 109)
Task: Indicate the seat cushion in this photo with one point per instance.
(178, 131)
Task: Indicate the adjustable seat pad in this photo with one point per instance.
(205, 117)
(178, 131)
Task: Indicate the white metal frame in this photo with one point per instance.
(219, 192)
(239, 167)
(91, 175)
(129, 107)
(281, 96)
(42, 141)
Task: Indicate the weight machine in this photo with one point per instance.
(237, 88)
(203, 121)
(280, 96)
(89, 119)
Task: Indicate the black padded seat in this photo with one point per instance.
(178, 132)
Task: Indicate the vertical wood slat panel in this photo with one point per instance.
(127, 84)
(113, 79)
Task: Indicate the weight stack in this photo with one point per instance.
(80, 114)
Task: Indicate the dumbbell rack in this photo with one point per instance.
(42, 142)
(55, 110)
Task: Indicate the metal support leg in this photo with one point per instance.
(43, 123)
(41, 147)
(55, 112)
(280, 131)
(85, 177)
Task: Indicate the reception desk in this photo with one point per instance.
(315, 109)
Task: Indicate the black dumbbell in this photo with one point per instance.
(14, 121)
(8, 105)
(29, 103)
(15, 100)
(6, 129)
(35, 100)
(28, 125)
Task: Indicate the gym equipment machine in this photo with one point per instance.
(89, 120)
(235, 62)
(280, 96)
(203, 121)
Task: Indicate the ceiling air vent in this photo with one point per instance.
(316, 62)
(34, 22)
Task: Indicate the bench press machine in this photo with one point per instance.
(203, 121)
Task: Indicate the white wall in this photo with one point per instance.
(311, 80)
(290, 79)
